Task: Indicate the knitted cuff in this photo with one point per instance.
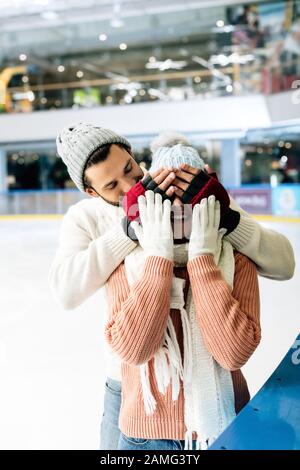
(128, 230)
(230, 220)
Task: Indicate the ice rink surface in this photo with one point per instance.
(52, 370)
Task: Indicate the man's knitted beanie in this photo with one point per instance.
(77, 142)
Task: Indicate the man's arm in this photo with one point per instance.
(83, 263)
(270, 250)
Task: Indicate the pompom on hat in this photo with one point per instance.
(173, 149)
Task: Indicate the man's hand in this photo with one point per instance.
(193, 185)
(158, 182)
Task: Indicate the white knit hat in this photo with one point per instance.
(77, 142)
(173, 149)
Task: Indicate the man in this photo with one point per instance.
(94, 233)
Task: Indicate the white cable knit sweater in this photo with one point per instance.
(92, 244)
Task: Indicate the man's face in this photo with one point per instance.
(113, 177)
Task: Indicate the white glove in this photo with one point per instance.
(205, 234)
(155, 234)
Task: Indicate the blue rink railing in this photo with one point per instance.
(271, 420)
(283, 200)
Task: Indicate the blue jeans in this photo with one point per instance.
(111, 437)
(110, 432)
(137, 443)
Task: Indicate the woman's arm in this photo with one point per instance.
(139, 315)
(229, 321)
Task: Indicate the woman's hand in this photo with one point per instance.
(155, 232)
(205, 233)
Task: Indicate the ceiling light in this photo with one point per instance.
(123, 46)
(41, 2)
(23, 57)
(102, 37)
(31, 96)
(79, 74)
(61, 68)
(25, 79)
(116, 23)
(220, 23)
(49, 15)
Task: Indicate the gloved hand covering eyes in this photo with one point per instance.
(200, 185)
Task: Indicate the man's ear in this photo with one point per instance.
(91, 192)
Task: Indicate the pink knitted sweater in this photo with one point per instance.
(229, 322)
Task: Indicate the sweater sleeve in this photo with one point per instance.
(83, 263)
(229, 321)
(270, 250)
(139, 315)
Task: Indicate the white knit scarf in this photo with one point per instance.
(208, 389)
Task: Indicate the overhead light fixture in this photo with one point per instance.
(116, 21)
(23, 57)
(49, 15)
(41, 2)
(79, 74)
(234, 58)
(102, 37)
(25, 79)
(61, 68)
(123, 46)
(166, 64)
(220, 23)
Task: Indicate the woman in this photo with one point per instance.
(181, 349)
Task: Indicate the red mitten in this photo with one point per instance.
(214, 187)
(130, 201)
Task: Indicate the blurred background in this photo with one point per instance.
(227, 75)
